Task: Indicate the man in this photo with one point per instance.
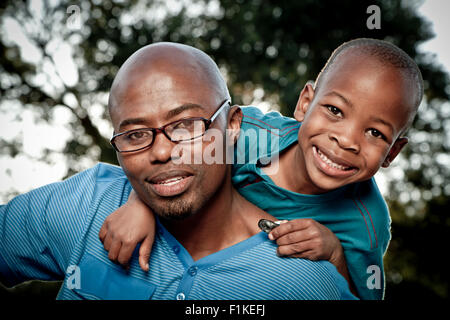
(167, 103)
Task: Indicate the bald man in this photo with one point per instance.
(208, 244)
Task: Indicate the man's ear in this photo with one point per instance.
(235, 116)
(304, 100)
(395, 150)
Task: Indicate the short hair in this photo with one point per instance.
(386, 53)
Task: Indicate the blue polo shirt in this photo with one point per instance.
(356, 213)
(51, 233)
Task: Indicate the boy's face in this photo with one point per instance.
(351, 124)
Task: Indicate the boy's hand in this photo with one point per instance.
(306, 238)
(123, 229)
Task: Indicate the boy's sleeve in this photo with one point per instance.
(367, 273)
(38, 230)
(365, 264)
(247, 146)
(263, 135)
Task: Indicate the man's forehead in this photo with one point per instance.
(154, 77)
(161, 87)
(161, 103)
(157, 79)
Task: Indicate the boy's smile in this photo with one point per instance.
(351, 124)
(332, 165)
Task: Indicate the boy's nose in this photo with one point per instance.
(346, 139)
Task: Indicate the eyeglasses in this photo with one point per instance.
(177, 131)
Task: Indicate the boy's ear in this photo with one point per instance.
(395, 150)
(306, 97)
(234, 122)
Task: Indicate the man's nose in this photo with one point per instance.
(161, 149)
(347, 137)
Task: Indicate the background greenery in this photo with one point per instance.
(267, 50)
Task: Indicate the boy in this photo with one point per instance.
(346, 127)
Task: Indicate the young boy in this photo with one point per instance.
(346, 127)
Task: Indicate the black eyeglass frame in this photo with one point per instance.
(162, 129)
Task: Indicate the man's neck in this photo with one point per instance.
(226, 220)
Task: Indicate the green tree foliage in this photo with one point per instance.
(268, 50)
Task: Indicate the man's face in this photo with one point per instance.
(351, 124)
(151, 101)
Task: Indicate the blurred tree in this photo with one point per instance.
(267, 50)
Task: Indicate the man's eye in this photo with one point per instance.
(377, 134)
(184, 124)
(334, 110)
(139, 135)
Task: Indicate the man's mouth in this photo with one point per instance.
(171, 183)
(331, 165)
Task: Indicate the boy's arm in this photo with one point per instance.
(338, 260)
(308, 239)
(123, 229)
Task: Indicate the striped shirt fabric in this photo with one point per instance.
(51, 233)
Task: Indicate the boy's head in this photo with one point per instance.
(363, 101)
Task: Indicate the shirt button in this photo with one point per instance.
(181, 296)
(176, 249)
(192, 271)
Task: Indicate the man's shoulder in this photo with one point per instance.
(72, 197)
(106, 171)
(303, 278)
(108, 184)
(99, 172)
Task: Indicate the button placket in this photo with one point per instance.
(193, 271)
(180, 296)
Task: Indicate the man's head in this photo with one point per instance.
(160, 84)
(363, 101)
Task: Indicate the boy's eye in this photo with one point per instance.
(334, 110)
(377, 134)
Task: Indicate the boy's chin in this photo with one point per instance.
(325, 187)
(326, 183)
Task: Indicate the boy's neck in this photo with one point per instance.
(225, 221)
(291, 172)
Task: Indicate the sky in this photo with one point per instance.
(24, 173)
(437, 11)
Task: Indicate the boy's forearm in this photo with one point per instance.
(338, 260)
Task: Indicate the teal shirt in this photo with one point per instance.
(356, 213)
